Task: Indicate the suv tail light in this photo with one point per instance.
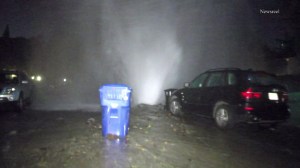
(250, 94)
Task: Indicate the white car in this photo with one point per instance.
(15, 88)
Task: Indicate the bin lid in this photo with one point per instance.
(107, 86)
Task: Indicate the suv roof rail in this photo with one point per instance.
(222, 69)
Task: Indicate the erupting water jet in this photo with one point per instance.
(142, 39)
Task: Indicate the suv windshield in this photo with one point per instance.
(8, 78)
(260, 78)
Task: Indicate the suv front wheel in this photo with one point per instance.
(223, 116)
(175, 106)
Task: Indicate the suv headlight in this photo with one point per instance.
(9, 90)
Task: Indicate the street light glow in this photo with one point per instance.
(38, 78)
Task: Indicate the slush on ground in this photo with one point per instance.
(39, 138)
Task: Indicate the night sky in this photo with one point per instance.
(28, 18)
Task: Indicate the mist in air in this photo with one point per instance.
(148, 45)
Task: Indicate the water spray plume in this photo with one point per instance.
(146, 45)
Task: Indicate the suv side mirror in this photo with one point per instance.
(24, 82)
(187, 84)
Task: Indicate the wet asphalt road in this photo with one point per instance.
(156, 139)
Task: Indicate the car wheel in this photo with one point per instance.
(224, 117)
(175, 107)
(20, 104)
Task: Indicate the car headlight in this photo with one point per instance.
(9, 90)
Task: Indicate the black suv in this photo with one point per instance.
(232, 96)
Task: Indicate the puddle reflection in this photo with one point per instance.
(115, 153)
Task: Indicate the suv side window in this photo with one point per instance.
(231, 79)
(199, 81)
(216, 79)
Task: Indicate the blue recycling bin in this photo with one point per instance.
(115, 103)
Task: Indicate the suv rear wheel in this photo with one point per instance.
(272, 126)
(20, 104)
(223, 116)
(175, 106)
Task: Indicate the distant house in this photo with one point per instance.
(14, 52)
